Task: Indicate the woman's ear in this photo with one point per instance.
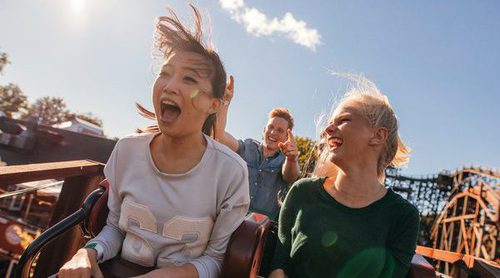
(215, 104)
(379, 136)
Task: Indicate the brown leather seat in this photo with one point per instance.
(421, 268)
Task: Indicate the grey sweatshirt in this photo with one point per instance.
(160, 220)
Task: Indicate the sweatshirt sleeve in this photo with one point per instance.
(234, 207)
(109, 240)
(286, 222)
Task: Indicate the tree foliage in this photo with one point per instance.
(13, 100)
(50, 110)
(308, 154)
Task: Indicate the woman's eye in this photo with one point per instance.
(164, 74)
(190, 79)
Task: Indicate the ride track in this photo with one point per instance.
(459, 211)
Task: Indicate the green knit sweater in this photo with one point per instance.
(319, 237)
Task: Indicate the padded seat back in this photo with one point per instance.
(99, 213)
(420, 268)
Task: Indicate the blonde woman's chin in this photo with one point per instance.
(325, 167)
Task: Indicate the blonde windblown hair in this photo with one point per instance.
(376, 109)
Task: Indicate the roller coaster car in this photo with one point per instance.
(242, 259)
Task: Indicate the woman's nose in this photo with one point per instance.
(172, 86)
(330, 129)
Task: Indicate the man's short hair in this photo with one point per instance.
(282, 113)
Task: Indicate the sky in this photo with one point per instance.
(437, 61)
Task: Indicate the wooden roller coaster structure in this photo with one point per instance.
(469, 222)
(459, 211)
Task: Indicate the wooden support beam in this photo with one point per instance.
(41, 171)
(465, 237)
(80, 178)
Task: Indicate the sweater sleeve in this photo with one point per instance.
(109, 240)
(234, 207)
(286, 221)
(403, 243)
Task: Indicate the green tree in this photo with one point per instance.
(308, 154)
(13, 100)
(50, 110)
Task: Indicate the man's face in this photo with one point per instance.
(275, 132)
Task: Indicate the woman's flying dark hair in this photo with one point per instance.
(171, 36)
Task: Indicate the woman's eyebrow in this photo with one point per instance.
(343, 115)
(200, 68)
(196, 71)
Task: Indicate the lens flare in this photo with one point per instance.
(329, 238)
(194, 93)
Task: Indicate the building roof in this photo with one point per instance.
(80, 125)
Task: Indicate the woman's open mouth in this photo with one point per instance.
(335, 143)
(170, 111)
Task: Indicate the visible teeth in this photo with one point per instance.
(336, 140)
(271, 139)
(168, 102)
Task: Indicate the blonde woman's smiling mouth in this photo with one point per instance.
(335, 142)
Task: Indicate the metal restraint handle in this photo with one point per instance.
(26, 260)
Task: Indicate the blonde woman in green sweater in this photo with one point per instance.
(345, 223)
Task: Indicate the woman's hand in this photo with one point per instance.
(277, 273)
(229, 93)
(83, 264)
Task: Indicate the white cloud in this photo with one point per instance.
(258, 24)
(231, 5)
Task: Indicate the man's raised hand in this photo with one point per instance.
(289, 147)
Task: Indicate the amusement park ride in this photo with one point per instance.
(459, 229)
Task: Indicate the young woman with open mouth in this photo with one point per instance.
(176, 195)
